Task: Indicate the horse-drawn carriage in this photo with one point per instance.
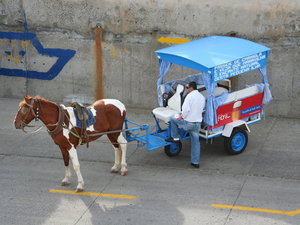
(227, 113)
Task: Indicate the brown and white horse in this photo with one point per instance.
(60, 120)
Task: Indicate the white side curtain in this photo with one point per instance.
(267, 95)
(212, 102)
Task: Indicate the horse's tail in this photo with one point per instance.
(124, 115)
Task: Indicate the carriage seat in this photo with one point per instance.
(218, 91)
(243, 93)
(173, 107)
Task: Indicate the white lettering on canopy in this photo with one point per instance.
(239, 66)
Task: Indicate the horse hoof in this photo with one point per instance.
(124, 173)
(79, 190)
(65, 183)
(114, 171)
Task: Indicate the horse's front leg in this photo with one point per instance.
(66, 157)
(120, 145)
(76, 165)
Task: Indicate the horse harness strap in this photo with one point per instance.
(83, 115)
(37, 113)
(59, 124)
(81, 111)
(31, 109)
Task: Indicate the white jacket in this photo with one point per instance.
(193, 106)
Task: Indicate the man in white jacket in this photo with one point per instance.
(190, 120)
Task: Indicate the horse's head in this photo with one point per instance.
(29, 110)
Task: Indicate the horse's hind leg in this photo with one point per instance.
(123, 147)
(117, 165)
(120, 145)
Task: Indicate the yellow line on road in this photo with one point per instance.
(288, 213)
(92, 194)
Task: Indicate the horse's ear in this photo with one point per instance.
(27, 98)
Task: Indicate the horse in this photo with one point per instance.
(109, 115)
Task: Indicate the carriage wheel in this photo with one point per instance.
(173, 149)
(237, 142)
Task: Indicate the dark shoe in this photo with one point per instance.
(195, 165)
(172, 140)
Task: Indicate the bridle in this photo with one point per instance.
(58, 126)
(29, 111)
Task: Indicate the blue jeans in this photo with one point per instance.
(193, 129)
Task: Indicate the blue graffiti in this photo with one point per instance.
(63, 55)
(22, 53)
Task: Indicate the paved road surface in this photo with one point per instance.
(265, 179)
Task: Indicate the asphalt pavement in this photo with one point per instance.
(259, 186)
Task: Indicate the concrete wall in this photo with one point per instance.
(130, 32)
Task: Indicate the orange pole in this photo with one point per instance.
(99, 72)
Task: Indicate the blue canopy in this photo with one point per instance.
(220, 56)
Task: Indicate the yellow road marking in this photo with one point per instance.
(173, 40)
(288, 213)
(92, 194)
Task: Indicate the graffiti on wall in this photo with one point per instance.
(173, 40)
(14, 46)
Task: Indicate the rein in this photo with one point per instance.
(31, 132)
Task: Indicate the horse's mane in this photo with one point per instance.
(21, 103)
(37, 97)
